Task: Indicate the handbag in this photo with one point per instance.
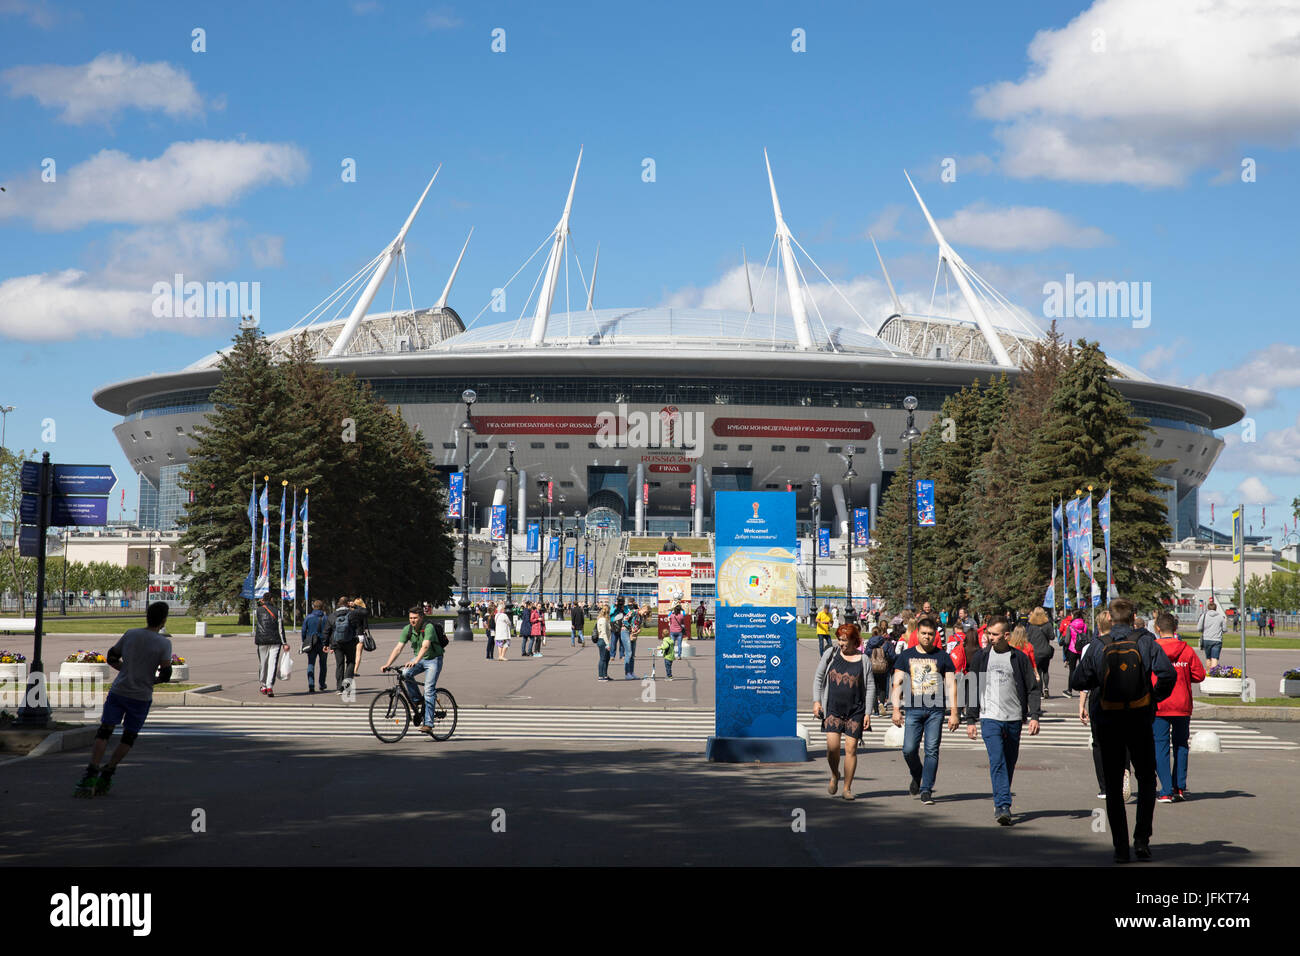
(286, 664)
(367, 642)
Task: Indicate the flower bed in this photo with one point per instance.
(13, 667)
(1222, 680)
(1290, 686)
(180, 670)
(84, 665)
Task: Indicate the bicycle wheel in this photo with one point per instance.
(390, 716)
(444, 714)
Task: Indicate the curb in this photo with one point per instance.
(57, 742)
(1228, 712)
(169, 700)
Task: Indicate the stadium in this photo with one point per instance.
(639, 414)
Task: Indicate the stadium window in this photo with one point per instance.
(592, 444)
(134, 439)
(537, 445)
(503, 445)
(1203, 451)
(744, 448)
(561, 444)
(860, 450)
(833, 449)
(800, 449)
(449, 445)
(778, 448)
(891, 451)
(683, 485)
(566, 484)
(770, 486)
(180, 429)
(480, 444)
(148, 434)
(719, 447)
(1159, 442)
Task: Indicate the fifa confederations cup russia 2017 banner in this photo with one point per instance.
(674, 577)
(498, 522)
(755, 678)
(456, 494)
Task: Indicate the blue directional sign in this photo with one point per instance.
(78, 511)
(29, 509)
(29, 542)
(31, 476)
(83, 479)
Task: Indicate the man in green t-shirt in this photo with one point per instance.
(421, 637)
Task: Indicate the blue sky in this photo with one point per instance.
(1103, 140)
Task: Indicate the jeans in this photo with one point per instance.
(602, 665)
(619, 643)
(575, 636)
(1131, 738)
(345, 662)
(431, 667)
(918, 721)
(314, 653)
(677, 643)
(823, 642)
(668, 665)
(629, 645)
(528, 645)
(1002, 741)
(1172, 777)
(268, 656)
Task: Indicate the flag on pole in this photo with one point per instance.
(1072, 550)
(291, 577)
(250, 583)
(284, 487)
(264, 566)
(1103, 516)
(1085, 535)
(1058, 516)
(1049, 599)
(306, 573)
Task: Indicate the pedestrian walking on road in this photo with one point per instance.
(1119, 674)
(1212, 625)
(1174, 713)
(601, 634)
(616, 619)
(676, 625)
(927, 673)
(268, 636)
(526, 630)
(539, 629)
(1006, 695)
(633, 620)
(823, 622)
(844, 696)
(667, 652)
(577, 621)
(1039, 632)
(314, 645)
(501, 632)
(360, 617)
(1271, 622)
(142, 657)
(343, 641)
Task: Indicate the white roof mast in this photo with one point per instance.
(797, 310)
(958, 269)
(442, 302)
(554, 263)
(386, 260)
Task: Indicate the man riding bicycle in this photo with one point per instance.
(421, 635)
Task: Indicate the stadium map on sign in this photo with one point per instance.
(757, 578)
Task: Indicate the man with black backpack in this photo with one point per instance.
(343, 640)
(426, 641)
(1118, 673)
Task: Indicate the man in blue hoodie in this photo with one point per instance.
(1122, 707)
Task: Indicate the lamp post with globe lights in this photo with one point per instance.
(511, 473)
(910, 436)
(463, 631)
(816, 507)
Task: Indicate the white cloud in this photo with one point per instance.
(1159, 358)
(1275, 452)
(39, 13)
(886, 224)
(113, 187)
(1031, 228)
(443, 18)
(1260, 376)
(1252, 491)
(267, 251)
(115, 297)
(105, 86)
(1178, 86)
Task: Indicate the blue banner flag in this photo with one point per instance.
(532, 538)
(570, 557)
(552, 548)
(280, 551)
(306, 566)
(1103, 517)
(291, 576)
(1049, 599)
(250, 582)
(925, 502)
(754, 682)
(498, 522)
(456, 494)
(862, 526)
(1072, 535)
(264, 565)
(582, 564)
(824, 542)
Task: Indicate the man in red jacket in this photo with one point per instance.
(1174, 713)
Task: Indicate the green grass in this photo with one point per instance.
(1223, 701)
(119, 623)
(1234, 640)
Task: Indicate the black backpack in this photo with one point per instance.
(342, 629)
(1125, 681)
(440, 632)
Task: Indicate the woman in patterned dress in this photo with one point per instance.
(844, 696)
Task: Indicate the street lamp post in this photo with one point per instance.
(463, 631)
(511, 473)
(910, 436)
(561, 555)
(849, 475)
(543, 480)
(63, 597)
(586, 564)
(817, 537)
(4, 423)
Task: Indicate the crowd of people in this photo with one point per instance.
(928, 672)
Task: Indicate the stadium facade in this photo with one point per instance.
(639, 414)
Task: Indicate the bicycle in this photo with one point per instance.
(392, 708)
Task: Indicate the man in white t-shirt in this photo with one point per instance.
(142, 657)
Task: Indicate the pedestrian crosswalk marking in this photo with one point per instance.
(571, 723)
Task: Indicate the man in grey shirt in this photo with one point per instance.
(142, 657)
(1213, 624)
(1007, 690)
